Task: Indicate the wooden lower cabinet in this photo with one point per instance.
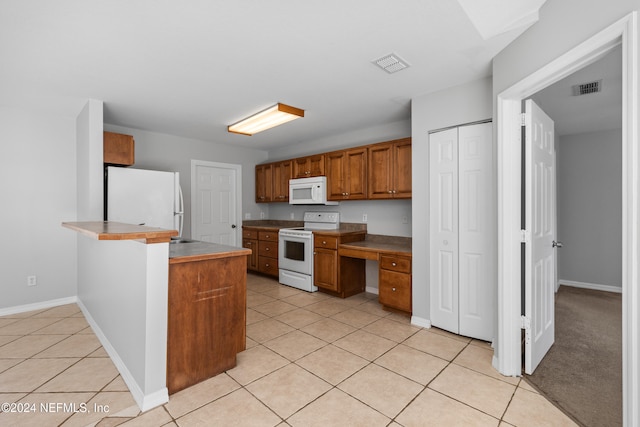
(263, 243)
(338, 276)
(206, 319)
(394, 282)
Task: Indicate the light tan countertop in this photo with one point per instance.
(110, 230)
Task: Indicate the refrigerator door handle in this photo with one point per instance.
(180, 211)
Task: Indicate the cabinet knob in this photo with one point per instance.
(266, 236)
(324, 242)
(393, 289)
(393, 264)
(267, 265)
(266, 249)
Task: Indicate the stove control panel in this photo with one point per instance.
(327, 217)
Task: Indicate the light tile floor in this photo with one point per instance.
(311, 360)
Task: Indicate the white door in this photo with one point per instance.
(476, 231)
(539, 222)
(443, 226)
(215, 202)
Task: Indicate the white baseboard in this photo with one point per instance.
(594, 286)
(371, 290)
(37, 306)
(145, 402)
(419, 321)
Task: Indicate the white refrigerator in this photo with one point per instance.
(144, 197)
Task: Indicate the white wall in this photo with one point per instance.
(458, 105)
(173, 153)
(89, 161)
(38, 172)
(590, 208)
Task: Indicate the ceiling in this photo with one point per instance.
(192, 67)
(591, 112)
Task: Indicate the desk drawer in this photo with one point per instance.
(395, 263)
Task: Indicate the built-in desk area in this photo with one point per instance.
(394, 266)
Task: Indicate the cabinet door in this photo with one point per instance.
(264, 183)
(325, 268)
(118, 149)
(402, 169)
(380, 173)
(336, 175)
(357, 174)
(281, 176)
(252, 258)
(301, 167)
(316, 165)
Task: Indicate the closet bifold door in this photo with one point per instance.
(462, 230)
(476, 231)
(443, 226)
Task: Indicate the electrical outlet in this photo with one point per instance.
(32, 280)
(261, 215)
(364, 217)
(247, 215)
(291, 215)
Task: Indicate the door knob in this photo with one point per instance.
(233, 226)
(556, 244)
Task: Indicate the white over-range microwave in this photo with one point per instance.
(309, 191)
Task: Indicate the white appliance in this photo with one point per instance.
(309, 191)
(295, 249)
(144, 197)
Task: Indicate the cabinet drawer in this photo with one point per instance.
(271, 236)
(268, 249)
(395, 263)
(323, 241)
(395, 290)
(268, 265)
(250, 234)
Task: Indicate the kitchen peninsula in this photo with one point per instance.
(124, 292)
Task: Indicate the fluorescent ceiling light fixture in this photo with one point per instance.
(266, 119)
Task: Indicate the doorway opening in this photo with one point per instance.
(507, 358)
(582, 372)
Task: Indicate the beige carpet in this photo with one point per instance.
(582, 373)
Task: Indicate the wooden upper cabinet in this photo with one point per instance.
(118, 149)
(264, 183)
(281, 176)
(389, 174)
(347, 174)
(305, 167)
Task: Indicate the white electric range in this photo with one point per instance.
(295, 249)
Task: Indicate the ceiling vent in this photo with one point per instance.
(587, 88)
(391, 63)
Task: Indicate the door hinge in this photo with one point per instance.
(524, 236)
(525, 323)
(523, 119)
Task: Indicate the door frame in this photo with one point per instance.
(194, 191)
(508, 351)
